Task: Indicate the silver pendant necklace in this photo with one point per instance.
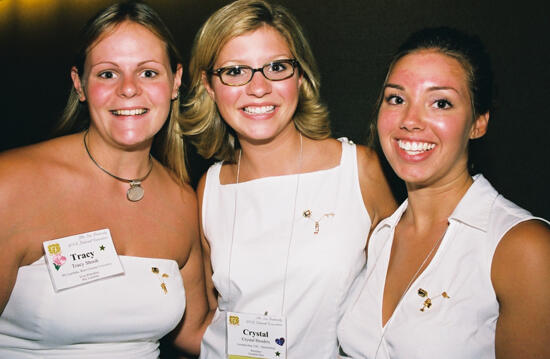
(135, 192)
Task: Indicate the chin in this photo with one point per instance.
(412, 176)
(134, 140)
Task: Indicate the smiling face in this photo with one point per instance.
(261, 110)
(425, 119)
(128, 84)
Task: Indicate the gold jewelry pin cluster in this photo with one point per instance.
(307, 214)
(156, 271)
(428, 302)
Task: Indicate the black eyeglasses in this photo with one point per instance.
(239, 75)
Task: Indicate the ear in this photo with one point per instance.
(479, 127)
(207, 86)
(177, 82)
(78, 84)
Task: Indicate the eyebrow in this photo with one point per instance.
(431, 88)
(437, 88)
(395, 86)
(232, 63)
(116, 65)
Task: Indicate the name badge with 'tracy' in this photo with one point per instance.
(81, 259)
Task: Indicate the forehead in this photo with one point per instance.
(430, 65)
(264, 42)
(127, 38)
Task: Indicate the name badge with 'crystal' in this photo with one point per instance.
(254, 336)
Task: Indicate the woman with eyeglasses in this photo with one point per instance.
(287, 210)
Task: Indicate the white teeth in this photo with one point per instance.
(134, 112)
(414, 148)
(259, 109)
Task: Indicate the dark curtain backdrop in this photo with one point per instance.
(352, 41)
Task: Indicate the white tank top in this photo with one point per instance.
(321, 267)
(461, 326)
(120, 317)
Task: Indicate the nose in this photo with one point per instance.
(259, 85)
(412, 119)
(129, 87)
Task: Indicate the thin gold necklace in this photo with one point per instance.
(411, 281)
(135, 192)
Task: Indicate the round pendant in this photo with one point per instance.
(135, 193)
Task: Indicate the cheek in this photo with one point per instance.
(226, 97)
(289, 90)
(452, 129)
(387, 121)
(160, 92)
(98, 94)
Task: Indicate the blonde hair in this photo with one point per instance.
(168, 144)
(201, 121)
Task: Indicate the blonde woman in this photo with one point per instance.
(98, 233)
(286, 212)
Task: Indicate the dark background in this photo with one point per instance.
(352, 41)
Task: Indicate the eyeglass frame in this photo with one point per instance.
(218, 72)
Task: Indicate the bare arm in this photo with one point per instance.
(197, 313)
(10, 257)
(375, 190)
(11, 248)
(520, 274)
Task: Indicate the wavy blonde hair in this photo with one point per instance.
(201, 121)
(168, 144)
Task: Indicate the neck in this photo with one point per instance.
(275, 158)
(127, 164)
(432, 205)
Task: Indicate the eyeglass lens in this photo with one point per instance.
(241, 75)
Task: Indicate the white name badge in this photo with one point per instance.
(81, 259)
(254, 336)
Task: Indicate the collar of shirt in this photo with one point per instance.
(473, 209)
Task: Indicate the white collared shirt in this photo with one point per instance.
(460, 326)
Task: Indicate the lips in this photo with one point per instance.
(130, 112)
(415, 147)
(258, 110)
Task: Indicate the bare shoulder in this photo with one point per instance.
(519, 273)
(523, 250)
(375, 189)
(321, 154)
(25, 176)
(175, 208)
(522, 260)
(180, 195)
(368, 163)
(24, 170)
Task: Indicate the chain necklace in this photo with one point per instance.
(135, 192)
(411, 281)
(291, 234)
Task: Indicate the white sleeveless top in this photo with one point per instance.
(321, 267)
(461, 326)
(118, 317)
